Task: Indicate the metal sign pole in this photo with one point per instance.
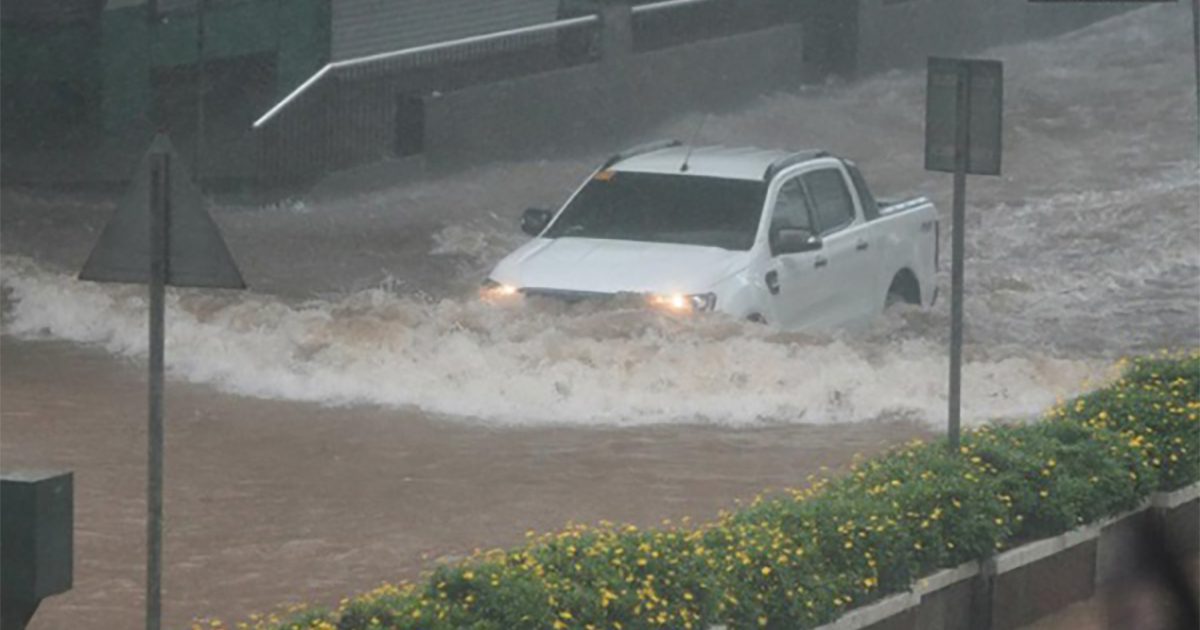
(963, 134)
(201, 88)
(1196, 63)
(195, 257)
(962, 143)
(160, 187)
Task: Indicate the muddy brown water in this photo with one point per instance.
(269, 502)
(1085, 250)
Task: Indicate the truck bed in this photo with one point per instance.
(896, 206)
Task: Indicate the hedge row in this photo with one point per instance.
(803, 558)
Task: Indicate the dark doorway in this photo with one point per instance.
(410, 125)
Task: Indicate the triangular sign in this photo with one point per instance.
(196, 253)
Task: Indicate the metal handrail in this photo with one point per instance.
(427, 48)
(454, 43)
(665, 4)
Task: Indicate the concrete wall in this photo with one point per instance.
(139, 74)
(514, 114)
(1021, 585)
(295, 33)
(51, 81)
(896, 33)
(534, 101)
(614, 100)
(364, 27)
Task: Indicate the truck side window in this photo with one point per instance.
(791, 207)
(835, 209)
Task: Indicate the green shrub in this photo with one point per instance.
(804, 557)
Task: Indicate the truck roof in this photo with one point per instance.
(711, 161)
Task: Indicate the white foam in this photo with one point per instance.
(526, 366)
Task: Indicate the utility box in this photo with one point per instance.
(37, 521)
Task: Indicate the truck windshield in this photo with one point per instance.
(662, 208)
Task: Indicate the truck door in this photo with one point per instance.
(798, 286)
(846, 252)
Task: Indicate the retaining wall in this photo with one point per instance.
(898, 33)
(533, 103)
(1021, 585)
(616, 100)
(612, 100)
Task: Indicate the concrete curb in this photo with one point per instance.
(946, 578)
(1032, 552)
(1175, 498)
(877, 612)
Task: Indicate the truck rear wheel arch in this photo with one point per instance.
(904, 288)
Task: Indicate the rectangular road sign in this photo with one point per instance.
(985, 101)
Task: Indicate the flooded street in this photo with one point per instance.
(270, 502)
(358, 413)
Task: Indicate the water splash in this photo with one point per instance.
(545, 364)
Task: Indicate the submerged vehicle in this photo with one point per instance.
(792, 239)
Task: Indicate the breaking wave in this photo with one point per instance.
(528, 366)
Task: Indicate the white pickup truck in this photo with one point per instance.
(793, 239)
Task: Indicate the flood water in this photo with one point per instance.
(358, 413)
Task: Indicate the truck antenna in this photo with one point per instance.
(683, 168)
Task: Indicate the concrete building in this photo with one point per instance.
(86, 82)
(81, 73)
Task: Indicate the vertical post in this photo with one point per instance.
(616, 37)
(160, 193)
(616, 55)
(1196, 63)
(983, 589)
(962, 145)
(201, 87)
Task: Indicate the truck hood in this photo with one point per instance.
(611, 266)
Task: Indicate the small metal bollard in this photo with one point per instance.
(36, 542)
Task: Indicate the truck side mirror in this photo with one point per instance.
(793, 241)
(534, 220)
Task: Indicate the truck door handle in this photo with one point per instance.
(862, 246)
(820, 262)
(772, 279)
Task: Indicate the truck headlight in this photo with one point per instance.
(680, 303)
(493, 291)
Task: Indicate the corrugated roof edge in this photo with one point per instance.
(640, 149)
